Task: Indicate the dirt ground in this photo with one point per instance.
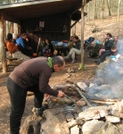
(57, 78)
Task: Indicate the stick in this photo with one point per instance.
(79, 91)
(103, 102)
(69, 98)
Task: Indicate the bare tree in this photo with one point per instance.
(118, 10)
(102, 11)
(108, 8)
(94, 10)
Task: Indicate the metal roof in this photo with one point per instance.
(34, 9)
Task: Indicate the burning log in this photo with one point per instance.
(66, 100)
(78, 89)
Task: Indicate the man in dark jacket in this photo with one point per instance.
(32, 75)
(107, 51)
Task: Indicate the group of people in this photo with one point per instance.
(110, 48)
(45, 48)
(13, 50)
(19, 47)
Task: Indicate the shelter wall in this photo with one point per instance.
(56, 27)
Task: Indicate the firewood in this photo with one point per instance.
(61, 101)
(103, 102)
(80, 92)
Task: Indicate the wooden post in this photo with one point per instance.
(82, 37)
(11, 27)
(2, 46)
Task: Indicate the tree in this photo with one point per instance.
(102, 11)
(118, 10)
(108, 8)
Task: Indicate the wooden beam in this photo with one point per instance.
(74, 23)
(8, 17)
(21, 4)
(73, 10)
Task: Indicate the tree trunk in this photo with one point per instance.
(2, 46)
(102, 12)
(118, 11)
(108, 8)
(94, 10)
(89, 13)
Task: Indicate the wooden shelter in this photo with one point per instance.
(41, 18)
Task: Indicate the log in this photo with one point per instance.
(103, 102)
(80, 92)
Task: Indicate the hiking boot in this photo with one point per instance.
(39, 111)
(67, 57)
(73, 61)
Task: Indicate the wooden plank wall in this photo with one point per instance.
(53, 28)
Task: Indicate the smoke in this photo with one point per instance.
(111, 72)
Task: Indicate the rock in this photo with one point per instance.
(55, 122)
(112, 119)
(93, 127)
(31, 124)
(94, 113)
(74, 130)
(100, 127)
(118, 106)
(82, 85)
(70, 70)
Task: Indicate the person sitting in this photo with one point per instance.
(13, 50)
(23, 45)
(11, 47)
(108, 44)
(47, 48)
(109, 52)
(76, 49)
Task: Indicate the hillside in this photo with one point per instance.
(102, 27)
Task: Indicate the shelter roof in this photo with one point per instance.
(34, 9)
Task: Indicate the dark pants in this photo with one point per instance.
(18, 100)
(26, 51)
(105, 54)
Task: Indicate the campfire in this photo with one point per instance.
(88, 107)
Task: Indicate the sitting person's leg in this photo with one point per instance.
(75, 51)
(72, 53)
(101, 51)
(69, 54)
(103, 56)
